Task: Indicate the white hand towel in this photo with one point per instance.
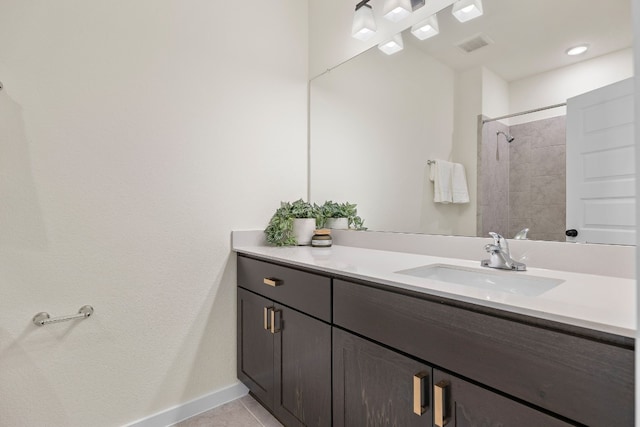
(459, 184)
(441, 175)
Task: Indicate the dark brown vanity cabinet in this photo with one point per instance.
(322, 351)
(580, 379)
(375, 386)
(284, 355)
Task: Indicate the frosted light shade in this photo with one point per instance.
(427, 28)
(364, 24)
(392, 46)
(397, 10)
(466, 10)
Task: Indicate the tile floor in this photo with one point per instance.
(243, 412)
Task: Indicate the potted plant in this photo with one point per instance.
(292, 224)
(339, 216)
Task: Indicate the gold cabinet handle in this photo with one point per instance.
(272, 281)
(441, 416)
(419, 403)
(274, 330)
(267, 326)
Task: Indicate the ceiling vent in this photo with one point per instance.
(474, 43)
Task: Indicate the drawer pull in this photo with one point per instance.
(440, 403)
(267, 326)
(419, 401)
(272, 281)
(275, 330)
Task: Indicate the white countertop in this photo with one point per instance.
(601, 303)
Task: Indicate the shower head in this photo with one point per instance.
(506, 135)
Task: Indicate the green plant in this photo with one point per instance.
(340, 210)
(279, 231)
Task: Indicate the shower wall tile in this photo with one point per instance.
(519, 204)
(519, 177)
(549, 161)
(548, 190)
(519, 153)
(537, 179)
(546, 219)
(493, 180)
(550, 132)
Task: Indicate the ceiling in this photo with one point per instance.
(530, 37)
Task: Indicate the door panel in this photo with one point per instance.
(601, 165)
(255, 346)
(302, 369)
(375, 387)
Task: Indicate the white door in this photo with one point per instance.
(601, 165)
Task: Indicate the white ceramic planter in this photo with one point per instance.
(338, 223)
(303, 229)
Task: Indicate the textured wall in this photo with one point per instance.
(134, 136)
(537, 179)
(523, 184)
(493, 181)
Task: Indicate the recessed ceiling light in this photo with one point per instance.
(577, 50)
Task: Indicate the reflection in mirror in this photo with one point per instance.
(376, 120)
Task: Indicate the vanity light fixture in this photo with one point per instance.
(392, 46)
(397, 10)
(466, 10)
(577, 50)
(364, 24)
(427, 28)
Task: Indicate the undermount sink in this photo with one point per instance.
(511, 282)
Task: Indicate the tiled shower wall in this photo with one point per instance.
(535, 194)
(493, 181)
(537, 179)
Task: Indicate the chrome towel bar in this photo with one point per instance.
(43, 318)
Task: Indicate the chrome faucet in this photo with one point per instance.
(521, 235)
(499, 256)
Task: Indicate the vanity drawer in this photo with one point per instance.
(584, 380)
(306, 292)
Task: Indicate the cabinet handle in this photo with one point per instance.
(274, 330)
(419, 406)
(266, 317)
(272, 281)
(440, 403)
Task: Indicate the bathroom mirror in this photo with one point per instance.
(376, 120)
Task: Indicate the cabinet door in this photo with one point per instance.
(458, 403)
(302, 369)
(374, 386)
(255, 345)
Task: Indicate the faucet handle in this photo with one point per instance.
(499, 241)
(491, 248)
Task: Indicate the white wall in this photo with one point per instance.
(495, 94)
(376, 120)
(468, 106)
(134, 136)
(556, 86)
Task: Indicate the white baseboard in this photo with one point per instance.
(194, 407)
